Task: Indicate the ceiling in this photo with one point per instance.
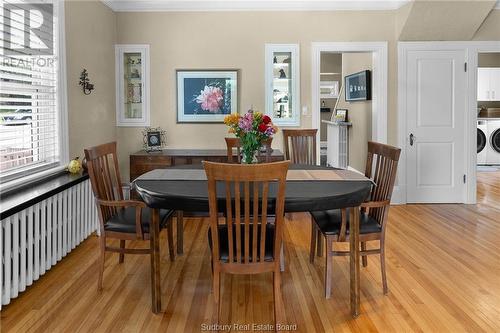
(251, 5)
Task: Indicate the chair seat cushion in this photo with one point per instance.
(329, 222)
(224, 242)
(124, 220)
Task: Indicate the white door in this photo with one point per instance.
(495, 84)
(483, 84)
(436, 93)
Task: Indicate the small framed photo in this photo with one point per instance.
(206, 96)
(154, 139)
(340, 115)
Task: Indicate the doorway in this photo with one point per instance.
(488, 126)
(379, 84)
(345, 125)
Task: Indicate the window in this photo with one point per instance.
(31, 117)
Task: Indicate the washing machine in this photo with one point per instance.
(482, 141)
(493, 150)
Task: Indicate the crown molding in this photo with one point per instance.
(250, 5)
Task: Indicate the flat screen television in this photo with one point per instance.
(358, 86)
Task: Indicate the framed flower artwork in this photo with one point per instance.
(206, 96)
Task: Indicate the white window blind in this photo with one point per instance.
(29, 116)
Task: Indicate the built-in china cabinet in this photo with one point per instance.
(283, 84)
(132, 85)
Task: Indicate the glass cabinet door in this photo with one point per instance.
(132, 85)
(282, 84)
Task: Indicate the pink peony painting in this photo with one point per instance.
(210, 99)
(206, 96)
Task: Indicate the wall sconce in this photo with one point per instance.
(84, 82)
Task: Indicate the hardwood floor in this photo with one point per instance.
(443, 268)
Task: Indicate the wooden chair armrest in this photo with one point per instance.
(122, 203)
(139, 205)
(375, 204)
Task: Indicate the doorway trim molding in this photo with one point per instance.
(379, 77)
(471, 48)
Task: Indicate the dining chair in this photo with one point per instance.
(235, 143)
(246, 243)
(118, 218)
(300, 145)
(381, 167)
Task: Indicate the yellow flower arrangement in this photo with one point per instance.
(231, 119)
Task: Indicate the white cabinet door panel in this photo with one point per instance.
(483, 84)
(495, 84)
(436, 103)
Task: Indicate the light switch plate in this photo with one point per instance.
(304, 110)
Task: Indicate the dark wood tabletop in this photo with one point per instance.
(301, 196)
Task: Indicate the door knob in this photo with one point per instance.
(412, 138)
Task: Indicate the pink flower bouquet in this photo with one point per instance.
(253, 129)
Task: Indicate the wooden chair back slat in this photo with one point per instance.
(235, 144)
(250, 189)
(265, 193)
(300, 145)
(229, 220)
(104, 173)
(255, 222)
(381, 166)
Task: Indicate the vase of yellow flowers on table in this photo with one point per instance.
(253, 129)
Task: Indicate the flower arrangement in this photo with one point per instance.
(252, 128)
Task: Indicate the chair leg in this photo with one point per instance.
(312, 250)
(382, 266)
(282, 257)
(328, 267)
(122, 255)
(216, 291)
(170, 236)
(364, 258)
(319, 241)
(279, 315)
(180, 232)
(102, 257)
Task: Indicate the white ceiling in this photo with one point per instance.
(251, 5)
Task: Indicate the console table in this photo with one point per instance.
(142, 161)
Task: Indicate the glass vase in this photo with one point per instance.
(249, 157)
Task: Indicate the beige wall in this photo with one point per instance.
(359, 113)
(207, 40)
(488, 60)
(236, 40)
(90, 39)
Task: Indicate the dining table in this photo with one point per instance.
(308, 188)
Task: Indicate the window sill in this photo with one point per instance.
(23, 181)
(25, 195)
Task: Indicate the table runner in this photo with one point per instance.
(292, 175)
